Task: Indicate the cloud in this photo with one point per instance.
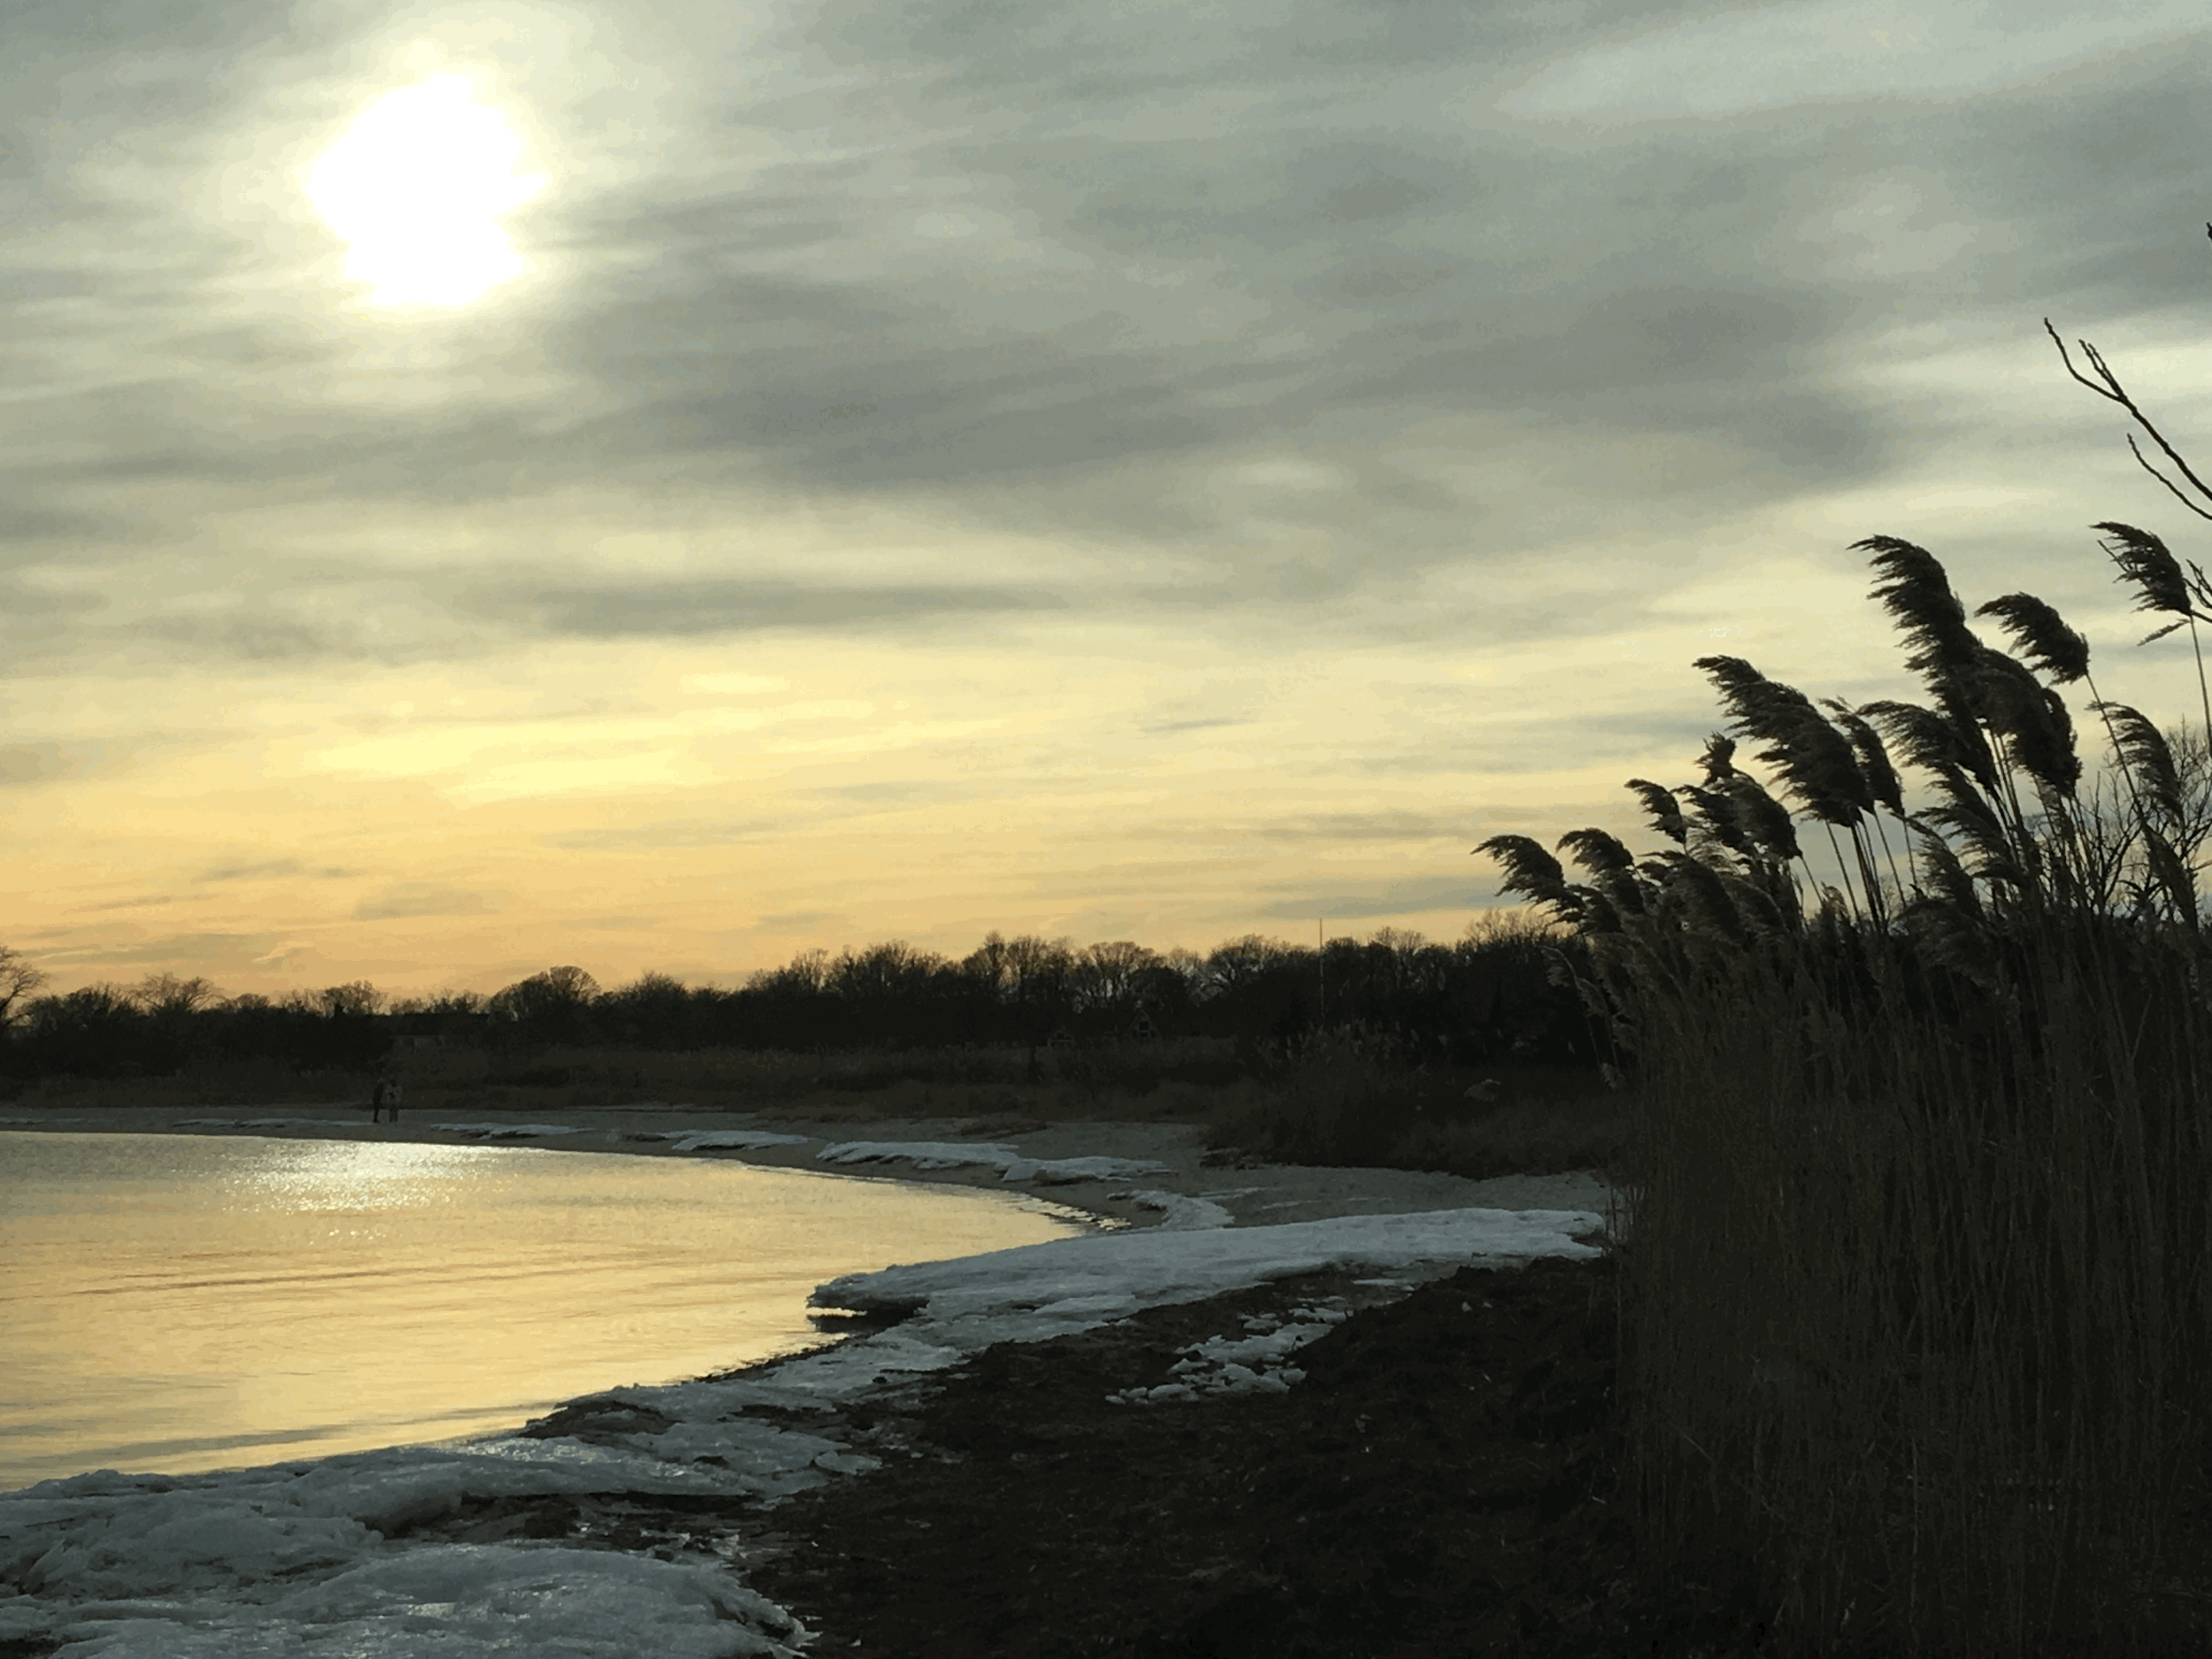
(1410, 897)
(35, 763)
(618, 610)
(1357, 828)
(671, 833)
(1103, 321)
(206, 953)
(1168, 728)
(1757, 58)
(20, 523)
(420, 899)
(246, 638)
(265, 870)
(252, 871)
(795, 921)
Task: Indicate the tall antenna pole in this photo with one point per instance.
(1321, 960)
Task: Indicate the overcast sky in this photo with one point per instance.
(870, 469)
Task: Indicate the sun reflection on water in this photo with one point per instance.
(311, 1176)
(185, 1303)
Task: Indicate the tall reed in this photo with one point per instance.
(1915, 1313)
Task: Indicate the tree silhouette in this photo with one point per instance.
(550, 1007)
(17, 980)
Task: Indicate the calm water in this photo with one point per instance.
(188, 1303)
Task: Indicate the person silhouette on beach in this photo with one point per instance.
(386, 1093)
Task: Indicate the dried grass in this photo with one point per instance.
(1918, 1313)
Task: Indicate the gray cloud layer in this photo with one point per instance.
(1054, 270)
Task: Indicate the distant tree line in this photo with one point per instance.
(1486, 998)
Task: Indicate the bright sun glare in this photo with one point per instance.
(417, 186)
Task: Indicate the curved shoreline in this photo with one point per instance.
(588, 1522)
(1249, 1192)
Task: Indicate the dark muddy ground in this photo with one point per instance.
(1442, 1482)
(1446, 1481)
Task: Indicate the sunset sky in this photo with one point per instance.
(678, 485)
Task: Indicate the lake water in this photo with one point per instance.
(181, 1303)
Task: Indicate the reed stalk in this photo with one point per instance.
(1916, 1314)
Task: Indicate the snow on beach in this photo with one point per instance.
(727, 1139)
(945, 1154)
(312, 1561)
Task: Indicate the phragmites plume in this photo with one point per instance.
(1881, 779)
(2141, 747)
(1955, 699)
(1719, 818)
(1814, 757)
(1712, 912)
(1596, 851)
(1952, 929)
(1534, 873)
(1612, 868)
(1977, 828)
(1718, 758)
(2143, 559)
(1760, 911)
(2032, 715)
(1762, 816)
(1665, 810)
(2042, 635)
(1919, 594)
(1922, 735)
(2169, 871)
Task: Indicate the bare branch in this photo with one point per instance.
(2163, 479)
(2117, 394)
(2114, 395)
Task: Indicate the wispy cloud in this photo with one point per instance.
(422, 899)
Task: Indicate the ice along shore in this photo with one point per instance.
(348, 1554)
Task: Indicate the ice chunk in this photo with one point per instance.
(1158, 1266)
(923, 1155)
(953, 1154)
(1059, 1171)
(730, 1139)
(474, 1601)
(1182, 1213)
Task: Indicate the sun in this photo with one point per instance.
(417, 186)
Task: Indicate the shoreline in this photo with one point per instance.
(1252, 1192)
(665, 1506)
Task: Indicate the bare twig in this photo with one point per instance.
(2114, 392)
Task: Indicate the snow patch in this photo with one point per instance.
(953, 1154)
(732, 1139)
(1249, 1365)
(1181, 1213)
(462, 1601)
